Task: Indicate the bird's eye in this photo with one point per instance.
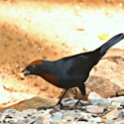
(33, 66)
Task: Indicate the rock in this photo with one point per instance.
(116, 103)
(57, 116)
(109, 121)
(94, 95)
(122, 104)
(35, 120)
(94, 109)
(117, 99)
(32, 103)
(102, 86)
(106, 78)
(121, 115)
(96, 119)
(93, 114)
(29, 112)
(71, 102)
(111, 115)
(21, 122)
(100, 102)
(84, 116)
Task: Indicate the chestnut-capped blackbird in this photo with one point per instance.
(70, 71)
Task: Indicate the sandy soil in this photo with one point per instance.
(33, 30)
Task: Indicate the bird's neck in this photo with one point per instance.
(48, 67)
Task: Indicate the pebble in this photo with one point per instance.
(94, 109)
(103, 111)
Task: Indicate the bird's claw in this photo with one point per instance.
(57, 106)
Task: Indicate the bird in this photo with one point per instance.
(71, 71)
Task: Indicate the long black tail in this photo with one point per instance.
(103, 49)
(111, 42)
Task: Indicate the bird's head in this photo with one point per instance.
(34, 68)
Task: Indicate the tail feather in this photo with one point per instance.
(103, 49)
(111, 42)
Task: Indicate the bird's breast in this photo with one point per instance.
(50, 78)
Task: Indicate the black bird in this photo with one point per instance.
(70, 71)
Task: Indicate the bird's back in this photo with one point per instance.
(77, 64)
(72, 70)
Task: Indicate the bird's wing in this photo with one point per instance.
(74, 65)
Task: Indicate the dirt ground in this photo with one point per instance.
(49, 30)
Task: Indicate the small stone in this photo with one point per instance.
(38, 120)
(97, 119)
(122, 104)
(111, 115)
(68, 102)
(112, 107)
(94, 109)
(29, 112)
(101, 102)
(116, 103)
(13, 121)
(69, 118)
(94, 95)
(121, 115)
(84, 116)
(35, 120)
(57, 116)
(120, 98)
(109, 121)
(30, 121)
(21, 122)
(82, 102)
(10, 111)
(118, 121)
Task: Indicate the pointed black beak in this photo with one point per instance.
(25, 72)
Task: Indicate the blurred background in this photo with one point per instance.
(50, 29)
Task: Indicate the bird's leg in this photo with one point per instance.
(78, 100)
(58, 103)
(83, 92)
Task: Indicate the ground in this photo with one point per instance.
(49, 30)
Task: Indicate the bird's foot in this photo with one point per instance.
(68, 107)
(58, 106)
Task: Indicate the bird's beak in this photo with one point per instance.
(25, 71)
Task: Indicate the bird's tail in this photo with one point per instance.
(103, 49)
(110, 43)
